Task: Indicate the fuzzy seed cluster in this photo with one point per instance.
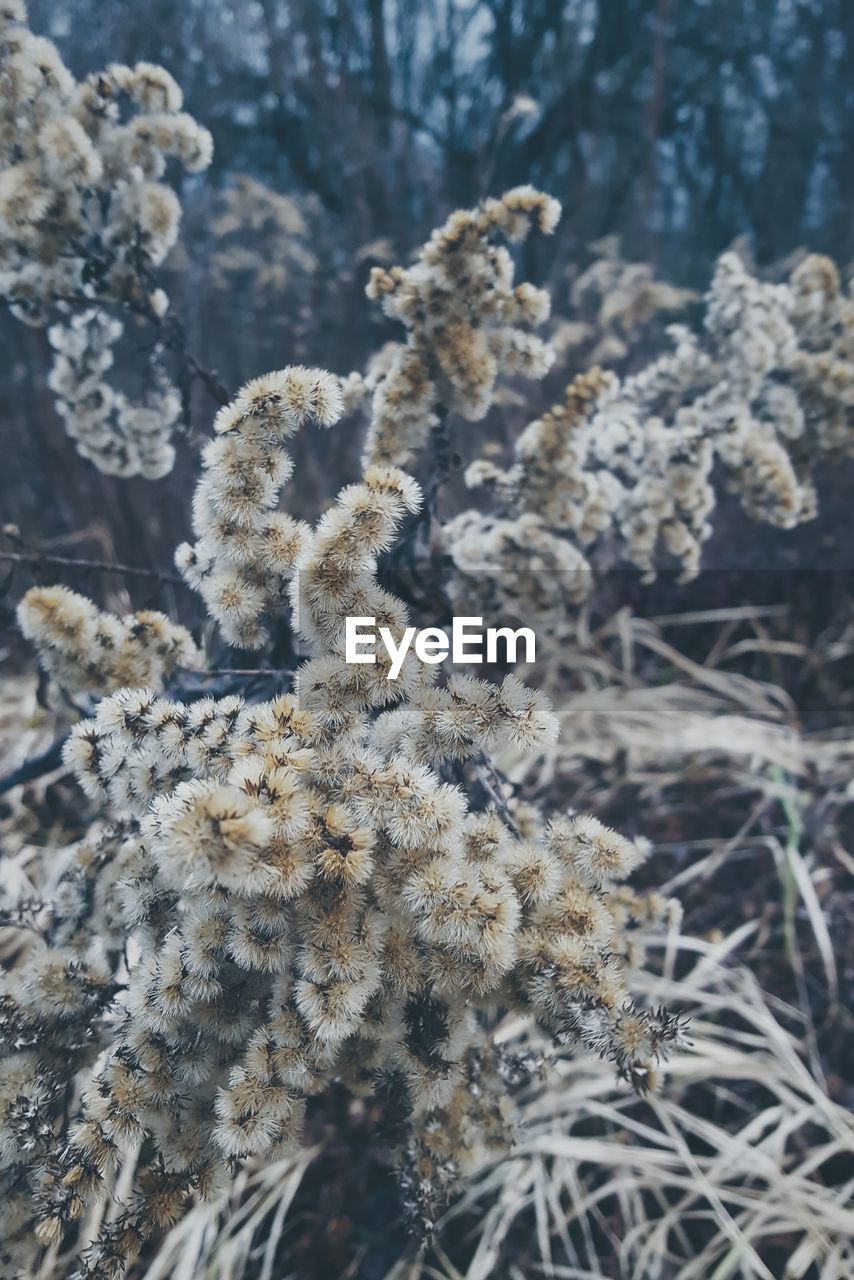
(612, 301)
(623, 469)
(85, 220)
(465, 322)
(246, 550)
(83, 648)
(299, 892)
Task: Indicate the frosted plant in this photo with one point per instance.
(611, 302)
(334, 886)
(246, 549)
(514, 567)
(317, 888)
(464, 319)
(597, 469)
(120, 437)
(822, 317)
(262, 237)
(84, 649)
(85, 220)
(623, 469)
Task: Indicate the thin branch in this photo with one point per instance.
(99, 566)
(175, 339)
(440, 447)
(170, 329)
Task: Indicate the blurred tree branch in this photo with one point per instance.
(98, 566)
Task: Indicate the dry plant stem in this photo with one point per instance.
(36, 767)
(44, 558)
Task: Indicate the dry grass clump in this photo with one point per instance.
(739, 1167)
